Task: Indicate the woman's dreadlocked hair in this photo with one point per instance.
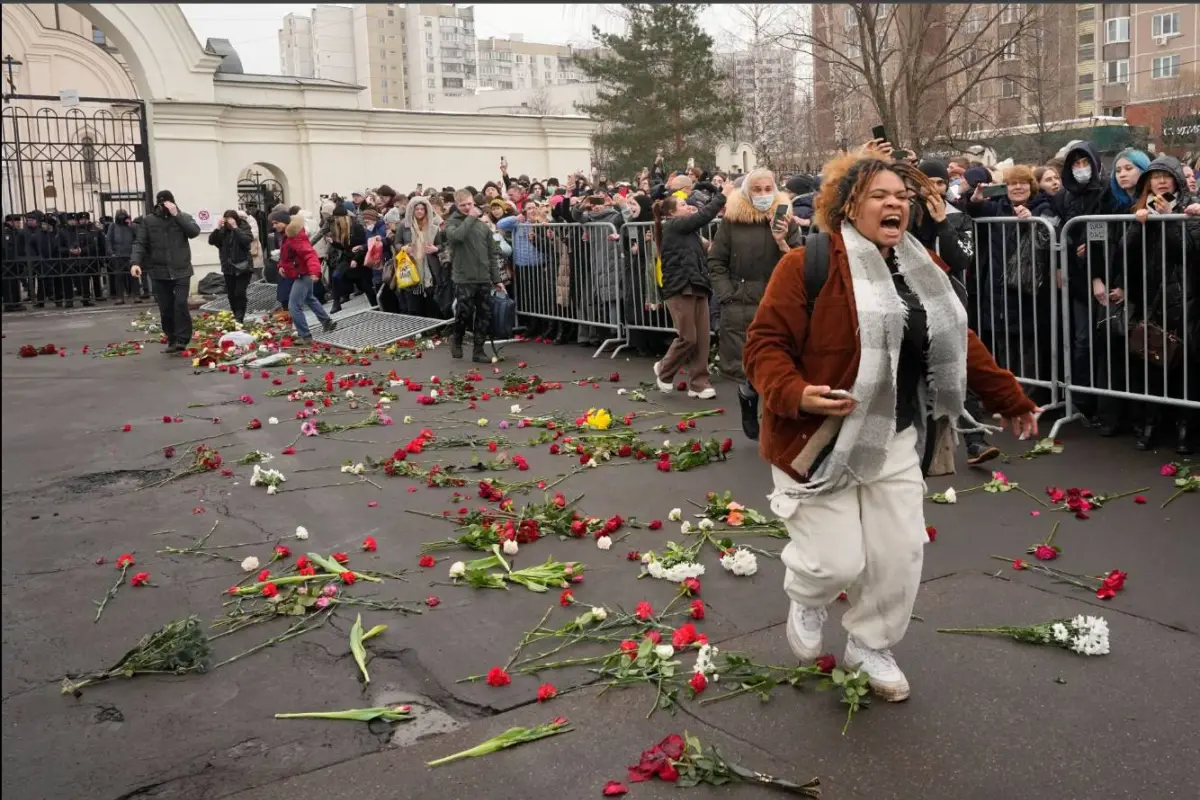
(844, 183)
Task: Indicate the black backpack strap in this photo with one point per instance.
(816, 266)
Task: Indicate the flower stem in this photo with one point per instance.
(1032, 497)
(1176, 493)
(981, 631)
(111, 593)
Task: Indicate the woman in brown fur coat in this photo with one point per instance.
(745, 250)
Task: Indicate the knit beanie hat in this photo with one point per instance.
(280, 216)
(800, 184)
(934, 169)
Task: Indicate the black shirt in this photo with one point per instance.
(911, 369)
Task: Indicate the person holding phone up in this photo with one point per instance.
(757, 231)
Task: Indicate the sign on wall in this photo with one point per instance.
(204, 219)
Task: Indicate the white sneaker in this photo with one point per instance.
(804, 631)
(663, 386)
(885, 677)
(707, 393)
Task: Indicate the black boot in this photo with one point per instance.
(478, 355)
(749, 416)
(1183, 442)
(1145, 439)
(331, 325)
(979, 451)
(456, 350)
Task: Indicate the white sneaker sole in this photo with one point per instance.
(890, 691)
(663, 386)
(703, 394)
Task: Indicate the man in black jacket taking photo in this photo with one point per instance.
(162, 245)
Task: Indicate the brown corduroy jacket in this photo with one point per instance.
(785, 353)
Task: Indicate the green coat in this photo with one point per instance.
(473, 254)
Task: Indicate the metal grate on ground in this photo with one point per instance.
(351, 308)
(376, 329)
(260, 299)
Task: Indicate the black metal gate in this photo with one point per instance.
(257, 197)
(67, 170)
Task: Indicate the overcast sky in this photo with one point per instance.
(253, 28)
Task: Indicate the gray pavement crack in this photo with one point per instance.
(145, 789)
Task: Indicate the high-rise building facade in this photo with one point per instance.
(296, 46)
(514, 63)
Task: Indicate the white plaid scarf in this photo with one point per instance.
(863, 438)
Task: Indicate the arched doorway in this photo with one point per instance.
(260, 188)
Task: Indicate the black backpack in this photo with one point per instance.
(816, 266)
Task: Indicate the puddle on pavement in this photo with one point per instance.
(428, 718)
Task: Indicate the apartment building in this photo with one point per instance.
(514, 63)
(1143, 51)
(296, 46)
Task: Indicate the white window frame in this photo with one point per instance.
(1113, 30)
(1157, 26)
(1008, 14)
(1121, 75)
(1174, 61)
(1010, 52)
(1009, 89)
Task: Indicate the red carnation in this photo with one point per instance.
(432, 601)
(655, 524)
(140, 579)
(125, 560)
(698, 682)
(498, 677)
(341, 558)
(282, 552)
(643, 611)
(369, 544)
(545, 692)
(931, 532)
(691, 585)
(566, 598)
(347, 577)
(697, 610)
(269, 590)
(427, 561)
(683, 636)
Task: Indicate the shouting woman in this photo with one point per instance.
(851, 385)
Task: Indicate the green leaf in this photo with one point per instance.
(838, 675)
(357, 648)
(375, 631)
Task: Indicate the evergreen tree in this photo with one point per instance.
(658, 88)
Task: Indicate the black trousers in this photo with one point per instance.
(235, 289)
(171, 295)
(360, 278)
(473, 310)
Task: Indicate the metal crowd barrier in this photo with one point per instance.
(1136, 345)
(1013, 305)
(571, 272)
(644, 308)
(39, 269)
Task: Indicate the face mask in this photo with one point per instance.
(762, 202)
(1082, 174)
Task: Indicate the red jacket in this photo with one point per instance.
(296, 254)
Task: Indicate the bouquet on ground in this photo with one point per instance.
(270, 478)
(686, 762)
(176, 648)
(721, 508)
(1087, 636)
(541, 578)
(675, 564)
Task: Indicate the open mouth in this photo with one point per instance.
(890, 222)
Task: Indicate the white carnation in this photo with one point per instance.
(740, 562)
(272, 420)
(458, 569)
(249, 564)
(510, 547)
(706, 524)
(515, 408)
(655, 568)
(951, 496)
(301, 532)
(272, 489)
(686, 527)
(675, 515)
(599, 613)
(604, 542)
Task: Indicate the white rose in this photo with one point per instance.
(510, 547)
(433, 392)
(664, 651)
(349, 393)
(675, 515)
(604, 543)
(599, 614)
(458, 569)
(515, 408)
(951, 496)
(249, 564)
(706, 525)
(301, 532)
(273, 420)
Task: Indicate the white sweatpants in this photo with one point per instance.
(867, 540)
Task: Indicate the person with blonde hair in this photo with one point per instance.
(857, 364)
(754, 234)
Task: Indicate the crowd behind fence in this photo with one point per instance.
(1138, 345)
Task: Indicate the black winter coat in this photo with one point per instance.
(1074, 200)
(161, 246)
(233, 245)
(684, 261)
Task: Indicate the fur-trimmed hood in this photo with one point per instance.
(295, 226)
(435, 220)
(738, 208)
